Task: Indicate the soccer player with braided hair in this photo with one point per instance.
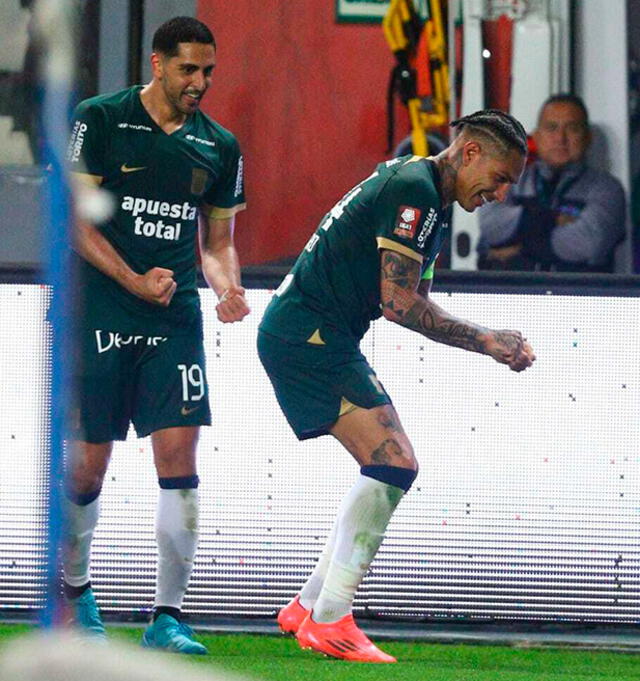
(505, 130)
(373, 255)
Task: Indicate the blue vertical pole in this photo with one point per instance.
(55, 17)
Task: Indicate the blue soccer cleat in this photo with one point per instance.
(87, 616)
(166, 633)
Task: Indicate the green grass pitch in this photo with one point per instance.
(280, 659)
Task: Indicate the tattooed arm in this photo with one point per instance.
(405, 301)
(424, 287)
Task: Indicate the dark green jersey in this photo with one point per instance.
(159, 183)
(333, 291)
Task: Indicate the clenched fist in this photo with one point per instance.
(156, 286)
(509, 347)
(232, 306)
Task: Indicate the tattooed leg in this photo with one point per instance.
(375, 437)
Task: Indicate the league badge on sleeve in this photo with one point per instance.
(407, 221)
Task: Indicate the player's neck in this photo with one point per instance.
(448, 169)
(160, 109)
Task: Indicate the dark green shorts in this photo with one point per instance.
(153, 382)
(315, 384)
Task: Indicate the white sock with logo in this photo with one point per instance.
(177, 537)
(362, 520)
(80, 523)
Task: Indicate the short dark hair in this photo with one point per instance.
(566, 98)
(505, 131)
(180, 30)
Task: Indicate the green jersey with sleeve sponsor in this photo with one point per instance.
(159, 183)
(333, 291)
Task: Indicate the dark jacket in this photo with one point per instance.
(530, 215)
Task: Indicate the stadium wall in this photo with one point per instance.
(526, 507)
(306, 97)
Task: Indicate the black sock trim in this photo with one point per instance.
(167, 610)
(183, 482)
(74, 591)
(391, 475)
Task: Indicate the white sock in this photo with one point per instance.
(177, 537)
(80, 522)
(311, 590)
(362, 520)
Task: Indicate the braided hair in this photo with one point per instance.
(505, 131)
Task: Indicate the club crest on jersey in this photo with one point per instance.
(407, 221)
(199, 178)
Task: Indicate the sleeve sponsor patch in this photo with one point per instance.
(77, 140)
(239, 188)
(406, 222)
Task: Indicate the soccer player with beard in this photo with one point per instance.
(167, 165)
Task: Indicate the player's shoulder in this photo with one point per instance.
(108, 103)
(413, 176)
(110, 100)
(209, 129)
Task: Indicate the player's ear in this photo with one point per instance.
(156, 65)
(470, 151)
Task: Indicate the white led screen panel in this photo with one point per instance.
(23, 444)
(527, 505)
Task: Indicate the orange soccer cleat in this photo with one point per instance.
(291, 616)
(341, 639)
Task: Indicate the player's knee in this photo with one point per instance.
(394, 451)
(397, 476)
(82, 496)
(410, 457)
(84, 482)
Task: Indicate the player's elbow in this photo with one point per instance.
(390, 314)
(392, 311)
